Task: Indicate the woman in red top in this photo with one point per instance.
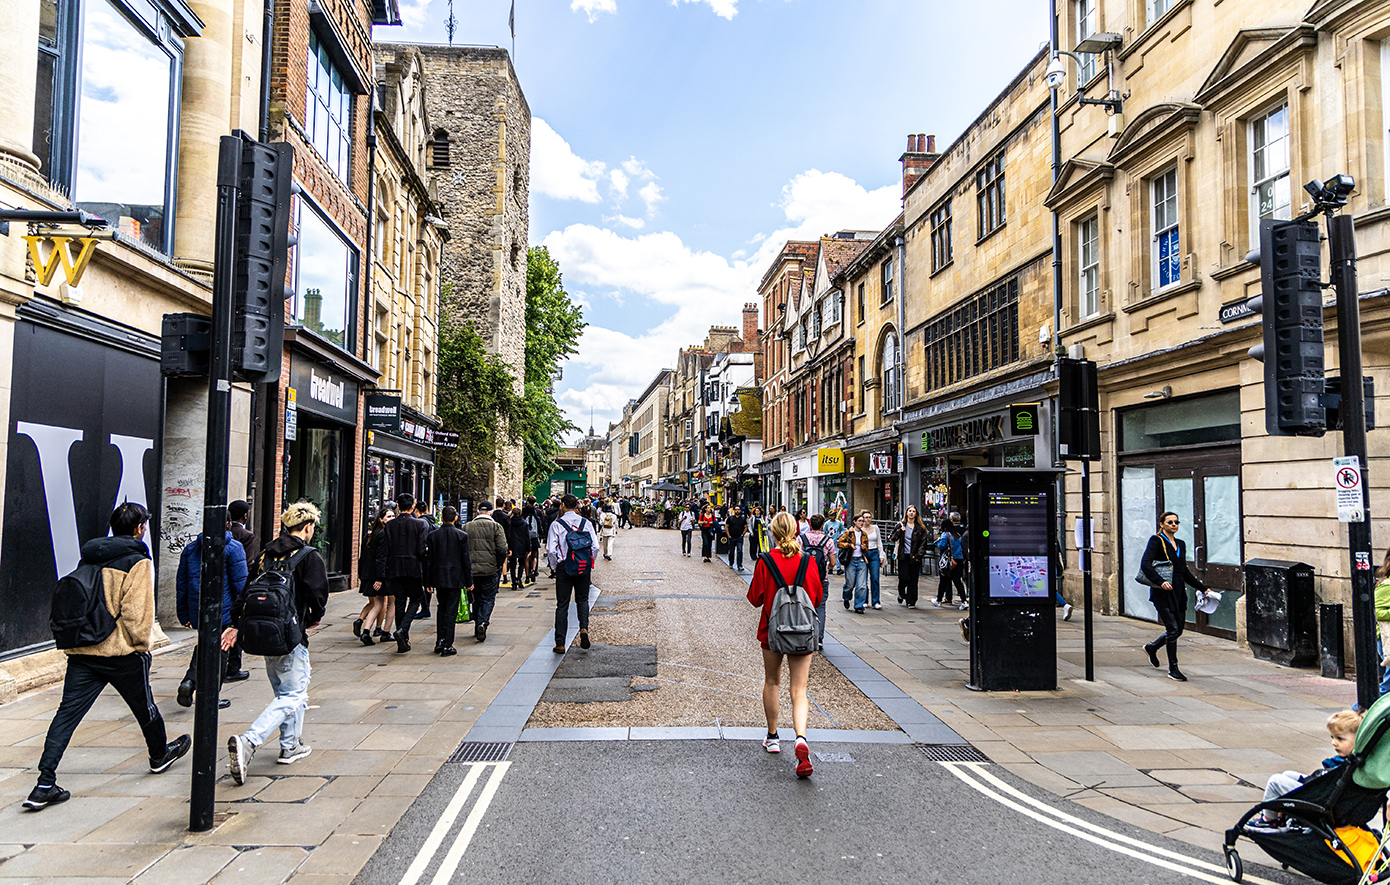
(706, 532)
(786, 556)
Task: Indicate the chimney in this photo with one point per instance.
(750, 325)
(921, 153)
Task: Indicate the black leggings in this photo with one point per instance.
(951, 577)
(1173, 623)
(909, 570)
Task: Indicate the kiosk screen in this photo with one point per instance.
(1018, 538)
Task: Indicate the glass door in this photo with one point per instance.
(1204, 490)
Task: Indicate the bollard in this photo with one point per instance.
(1330, 616)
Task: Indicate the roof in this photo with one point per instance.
(792, 249)
(838, 253)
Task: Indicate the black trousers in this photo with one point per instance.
(410, 596)
(87, 676)
(706, 542)
(565, 585)
(953, 576)
(1173, 622)
(446, 609)
(192, 674)
(685, 541)
(909, 570)
(518, 567)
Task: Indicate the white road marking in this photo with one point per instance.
(442, 827)
(1117, 842)
(470, 825)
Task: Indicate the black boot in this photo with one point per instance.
(1175, 673)
(1153, 655)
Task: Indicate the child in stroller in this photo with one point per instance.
(1342, 727)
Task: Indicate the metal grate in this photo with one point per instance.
(952, 753)
(477, 751)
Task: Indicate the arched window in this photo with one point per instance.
(441, 148)
(890, 371)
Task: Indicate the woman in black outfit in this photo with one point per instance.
(1168, 588)
(381, 607)
(911, 537)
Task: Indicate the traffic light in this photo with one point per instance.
(1078, 407)
(1290, 259)
(266, 183)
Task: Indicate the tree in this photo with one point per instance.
(553, 326)
(478, 401)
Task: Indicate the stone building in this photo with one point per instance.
(646, 440)
(408, 235)
(1227, 111)
(779, 290)
(479, 165)
(685, 443)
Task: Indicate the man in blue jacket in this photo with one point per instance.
(190, 581)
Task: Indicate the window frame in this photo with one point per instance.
(859, 298)
(990, 196)
(1087, 17)
(323, 58)
(302, 201)
(891, 374)
(942, 225)
(1252, 127)
(886, 280)
(1157, 9)
(1085, 292)
(1156, 233)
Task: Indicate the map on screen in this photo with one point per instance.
(1018, 577)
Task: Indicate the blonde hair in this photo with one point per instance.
(784, 534)
(1343, 723)
(298, 514)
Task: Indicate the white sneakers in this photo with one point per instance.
(772, 745)
(1066, 611)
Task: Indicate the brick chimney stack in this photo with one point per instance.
(920, 155)
(750, 326)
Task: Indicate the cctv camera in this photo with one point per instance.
(1056, 73)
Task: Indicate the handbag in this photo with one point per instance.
(465, 612)
(1164, 568)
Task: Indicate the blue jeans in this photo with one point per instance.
(736, 553)
(289, 679)
(1384, 672)
(872, 558)
(857, 581)
(484, 597)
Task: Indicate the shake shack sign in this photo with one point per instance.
(975, 432)
(324, 391)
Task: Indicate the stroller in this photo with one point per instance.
(1324, 834)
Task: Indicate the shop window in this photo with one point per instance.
(978, 336)
(1164, 248)
(328, 110)
(941, 247)
(989, 195)
(1088, 267)
(1206, 419)
(325, 273)
(1269, 169)
(105, 68)
(1087, 13)
(1138, 509)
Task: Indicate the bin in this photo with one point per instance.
(1281, 618)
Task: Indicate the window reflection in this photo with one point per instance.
(323, 276)
(123, 125)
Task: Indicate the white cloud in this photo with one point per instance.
(592, 8)
(618, 181)
(627, 221)
(722, 8)
(557, 171)
(637, 169)
(817, 203)
(413, 12)
(651, 195)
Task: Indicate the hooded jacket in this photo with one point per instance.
(310, 583)
(127, 579)
(190, 579)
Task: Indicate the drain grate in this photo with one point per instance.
(478, 751)
(952, 753)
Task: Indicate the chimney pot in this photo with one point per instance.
(911, 143)
(921, 142)
(928, 143)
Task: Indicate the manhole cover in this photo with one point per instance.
(952, 753)
(834, 757)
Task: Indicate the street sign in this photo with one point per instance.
(1347, 480)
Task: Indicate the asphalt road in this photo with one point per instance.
(724, 812)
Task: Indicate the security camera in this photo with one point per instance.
(1056, 73)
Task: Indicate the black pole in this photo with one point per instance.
(1083, 551)
(215, 493)
(1341, 232)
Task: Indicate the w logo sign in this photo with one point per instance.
(61, 253)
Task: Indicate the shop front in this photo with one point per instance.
(831, 486)
(797, 476)
(874, 483)
(400, 454)
(320, 456)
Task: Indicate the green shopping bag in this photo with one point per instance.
(465, 613)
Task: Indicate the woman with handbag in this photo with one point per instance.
(853, 549)
(911, 537)
(1164, 568)
(951, 566)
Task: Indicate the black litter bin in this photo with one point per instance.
(1281, 618)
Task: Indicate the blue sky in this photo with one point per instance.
(676, 144)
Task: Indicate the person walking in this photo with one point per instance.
(607, 531)
(532, 517)
(237, 513)
(873, 557)
(448, 572)
(573, 565)
(422, 513)
(125, 578)
(854, 542)
(834, 526)
(624, 513)
(707, 532)
(816, 542)
(734, 528)
(1164, 569)
(786, 556)
(380, 609)
(686, 524)
(951, 549)
(910, 537)
(187, 585)
(400, 566)
(487, 552)
(502, 514)
(288, 673)
(519, 546)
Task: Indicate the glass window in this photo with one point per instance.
(1088, 263)
(1167, 258)
(989, 188)
(887, 281)
(892, 374)
(1221, 506)
(941, 248)
(328, 110)
(859, 297)
(1157, 9)
(1086, 16)
(325, 268)
(1206, 419)
(1269, 169)
(1138, 505)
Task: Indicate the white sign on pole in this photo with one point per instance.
(1347, 480)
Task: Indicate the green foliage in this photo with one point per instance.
(478, 401)
(553, 326)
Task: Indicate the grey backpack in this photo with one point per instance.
(791, 624)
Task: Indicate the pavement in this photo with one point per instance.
(1182, 760)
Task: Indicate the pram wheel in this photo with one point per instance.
(1234, 869)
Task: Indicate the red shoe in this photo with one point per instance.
(803, 759)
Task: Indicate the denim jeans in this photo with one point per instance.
(857, 581)
(736, 553)
(484, 597)
(1384, 671)
(289, 679)
(685, 541)
(872, 558)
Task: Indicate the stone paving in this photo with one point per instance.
(1181, 759)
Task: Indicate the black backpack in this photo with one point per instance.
(269, 617)
(816, 552)
(79, 616)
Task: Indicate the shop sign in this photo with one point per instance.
(976, 431)
(881, 463)
(1024, 419)
(325, 392)
(384, 412)
(291, 416)
(444, 439)
(61, 254)
(1236, 310)
(830, 461)
(420, 433)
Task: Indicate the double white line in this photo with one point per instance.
(441, 830)
(974, 774)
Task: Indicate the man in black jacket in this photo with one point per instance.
(448, 571)
(289, 673)
(402, 562)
